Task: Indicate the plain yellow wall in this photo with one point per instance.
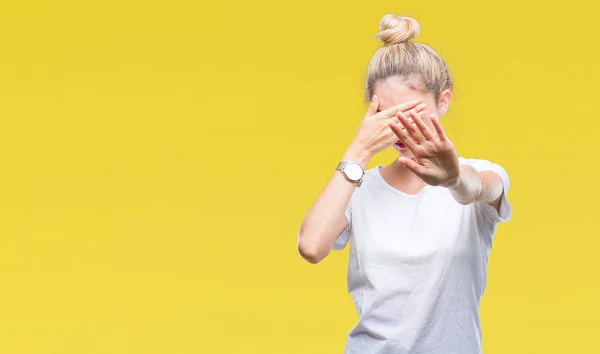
(158, 157)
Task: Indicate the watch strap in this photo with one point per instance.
(341, 165)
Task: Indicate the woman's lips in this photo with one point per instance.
(400, 145)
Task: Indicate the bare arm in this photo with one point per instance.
(325, 220)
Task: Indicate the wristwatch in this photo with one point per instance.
(353, 171)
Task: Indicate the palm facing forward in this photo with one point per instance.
(435, 158)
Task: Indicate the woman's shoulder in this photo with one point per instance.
(487, 165)
(371, 178)
(373, 170)
(480, 163)
(373, 174)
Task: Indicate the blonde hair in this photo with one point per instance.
(415, 63)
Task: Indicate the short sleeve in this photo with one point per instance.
(342, 239)
(488, 211)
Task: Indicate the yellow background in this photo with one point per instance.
(158, 157)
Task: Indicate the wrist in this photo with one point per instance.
(357, 153)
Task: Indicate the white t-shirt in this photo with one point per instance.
(417, 266)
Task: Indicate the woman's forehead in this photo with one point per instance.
(393, 92)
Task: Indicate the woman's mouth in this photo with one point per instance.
(400, 144)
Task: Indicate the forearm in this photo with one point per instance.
(473, 186)
(325, 220)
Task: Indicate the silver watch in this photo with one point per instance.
(353, 171)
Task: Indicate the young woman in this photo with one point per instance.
(421, 227)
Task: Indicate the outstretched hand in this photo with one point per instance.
(435, 158)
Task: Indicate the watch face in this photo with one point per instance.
(354, 171)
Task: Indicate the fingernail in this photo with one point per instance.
(421, 106)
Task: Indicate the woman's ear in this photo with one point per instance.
(444, 102)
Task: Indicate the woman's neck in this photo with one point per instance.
(401, 178)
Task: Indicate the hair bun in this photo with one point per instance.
(397, 29)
